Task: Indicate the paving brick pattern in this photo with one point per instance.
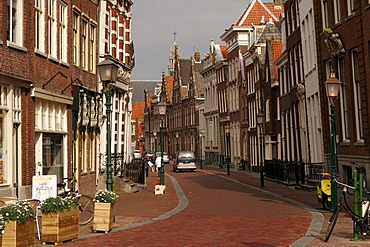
(222, 211)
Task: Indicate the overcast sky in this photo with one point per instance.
(195, 22)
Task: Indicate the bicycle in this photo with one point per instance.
(361, 222)
(86, 203)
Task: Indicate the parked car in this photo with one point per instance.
(149, 155)
(136, 154)
(185, 160)
(166, 159)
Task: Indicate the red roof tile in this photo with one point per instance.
(169, 86)
(224, 51)
(276, 51)
(256, 9)
(138, 111)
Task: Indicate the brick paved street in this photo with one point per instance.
(218, 210)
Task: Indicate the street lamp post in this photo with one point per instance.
(332, 86)
(162, 112)
(260, 116)
(227, 131)
(155, 142)
(177, 142)
(201, 134)
(108, 75)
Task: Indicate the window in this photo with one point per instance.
(50, 116)
(92, 151)
(267, 108)
(84, 44)
(351, 6)
(63, 44)
(108, 31)
(17, 105)
(343, 99)
(52, 31)
(293, 13)
(92, 48)
(52, 155)
(76, 39)
(84, 158)
(337, 14)
(325, 20)
(39, 25)
(15, 22)
(288, 22)
(357, 95)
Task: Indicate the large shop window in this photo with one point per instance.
(52, 155)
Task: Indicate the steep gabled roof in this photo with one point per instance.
(256, 9)
(185, 65)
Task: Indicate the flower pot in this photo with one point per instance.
(19, 234)
(60, 227)
(103, 216)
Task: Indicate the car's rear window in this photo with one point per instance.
(186, 155)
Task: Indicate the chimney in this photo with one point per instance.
(262, 20)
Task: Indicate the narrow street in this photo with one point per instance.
(220, 211)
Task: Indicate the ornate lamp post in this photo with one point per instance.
(162, 112)
(332, 86)
(108, 75)
(260, 117)
(227, 131)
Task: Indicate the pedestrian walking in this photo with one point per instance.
(158, 164)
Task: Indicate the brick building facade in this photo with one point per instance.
(51, 105)
(342, 39)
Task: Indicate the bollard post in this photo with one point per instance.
(355, 204)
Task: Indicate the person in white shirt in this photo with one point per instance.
(158, 164)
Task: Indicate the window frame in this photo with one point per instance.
(324, 12)
(63, 32)
(357, 95)
(337, 11)
(76, 37)
(52, 29)
(15, 35)
(40, 26)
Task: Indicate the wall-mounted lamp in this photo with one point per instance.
(58, 73)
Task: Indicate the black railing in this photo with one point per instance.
(292, 172)
(134, 170)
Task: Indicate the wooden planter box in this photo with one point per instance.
(60, 227)
(19, 234)
(103, 216)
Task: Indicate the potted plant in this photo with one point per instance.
(2, 228)
(104, 210)
(60, 218)
(18, 220)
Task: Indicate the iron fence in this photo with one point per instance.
(134, 170)
(293, 172)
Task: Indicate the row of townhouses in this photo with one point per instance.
(52, 118)
(274, 66)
